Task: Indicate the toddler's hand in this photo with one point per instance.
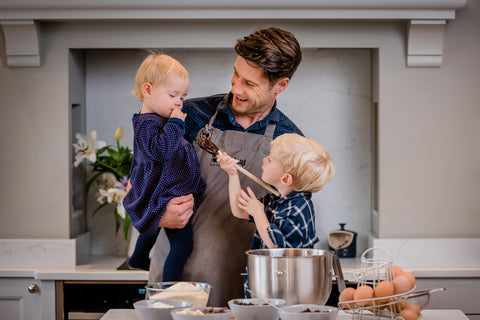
(250, 203)
(227, 163)
(177, 113)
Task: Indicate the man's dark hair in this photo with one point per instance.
(275, 50)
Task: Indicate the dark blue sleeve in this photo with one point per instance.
(161, 144)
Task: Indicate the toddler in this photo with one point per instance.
(164, 164)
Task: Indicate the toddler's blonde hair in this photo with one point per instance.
(158, 68)
(308, 162)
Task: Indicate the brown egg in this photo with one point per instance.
(410, 277)
(347, 295)
(363, 293)
(393, 272)
(383, 289)
(408, 314)
(414, 307)
(401, 284)
(397, 307)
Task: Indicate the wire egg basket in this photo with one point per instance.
(376, 266)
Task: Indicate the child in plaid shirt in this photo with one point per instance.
(297, 167)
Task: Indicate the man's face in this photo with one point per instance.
(252, 91)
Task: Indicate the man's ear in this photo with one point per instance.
(281, 84)
(147, 89)
(287, 179)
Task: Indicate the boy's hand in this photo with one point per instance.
(227, 163)
(250, 203)
(177, 113)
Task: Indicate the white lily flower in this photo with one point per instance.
(106, 181)
(115, 195)
(121, 210)
(86, 147)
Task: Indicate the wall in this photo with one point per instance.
(429, 149)
(329, 98)
(429, 121)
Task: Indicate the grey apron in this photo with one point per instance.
(220, 239)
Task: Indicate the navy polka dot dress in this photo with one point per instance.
(164, 166)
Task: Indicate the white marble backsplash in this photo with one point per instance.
(44, 252)
(431, 253)
(329, 98)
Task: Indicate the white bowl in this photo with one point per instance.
(255, 309)
(158, 309)
(225, 315)
(317, 312)
(195, 292)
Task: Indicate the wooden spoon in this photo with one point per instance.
(210, 147)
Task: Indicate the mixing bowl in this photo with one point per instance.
(296, 275)
(158, 309)
(195, 292)
(308, 312)
(255, 309)
(210, 313)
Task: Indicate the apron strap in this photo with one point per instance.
(205, 131)
(270, 129)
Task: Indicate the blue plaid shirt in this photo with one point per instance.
(292, 221)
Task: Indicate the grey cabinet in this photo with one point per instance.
(26, 299)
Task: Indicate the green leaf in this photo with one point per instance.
(100, 207)
(117, 220)
(126, 227)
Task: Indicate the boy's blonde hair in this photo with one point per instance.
(309, 164)
(158, 68)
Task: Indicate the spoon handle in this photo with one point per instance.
(257, 180)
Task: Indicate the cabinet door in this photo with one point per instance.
(26, 299)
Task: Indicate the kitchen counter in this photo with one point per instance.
(98, 269)
(105, 269)
(130, 314)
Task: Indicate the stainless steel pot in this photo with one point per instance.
(295, 275)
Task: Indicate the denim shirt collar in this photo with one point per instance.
(224, 107)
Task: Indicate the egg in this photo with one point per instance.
(363, 293)
(401, 284)
(414, 307)
(410, 277)
(347, 295)
(397, 307)
(383, 289)
(408, 314)
(393, 272)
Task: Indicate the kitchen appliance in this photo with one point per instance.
(343, 242)
(296, 275)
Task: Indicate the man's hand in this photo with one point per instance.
(178, 212)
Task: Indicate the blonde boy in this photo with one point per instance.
(296, 167)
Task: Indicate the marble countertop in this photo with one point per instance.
(105, 269)
(98, 269)
(130, 314)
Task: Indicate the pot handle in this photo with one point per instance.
(337, 269)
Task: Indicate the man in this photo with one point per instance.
(241, 123)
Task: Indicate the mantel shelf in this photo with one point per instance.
(426, 18)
